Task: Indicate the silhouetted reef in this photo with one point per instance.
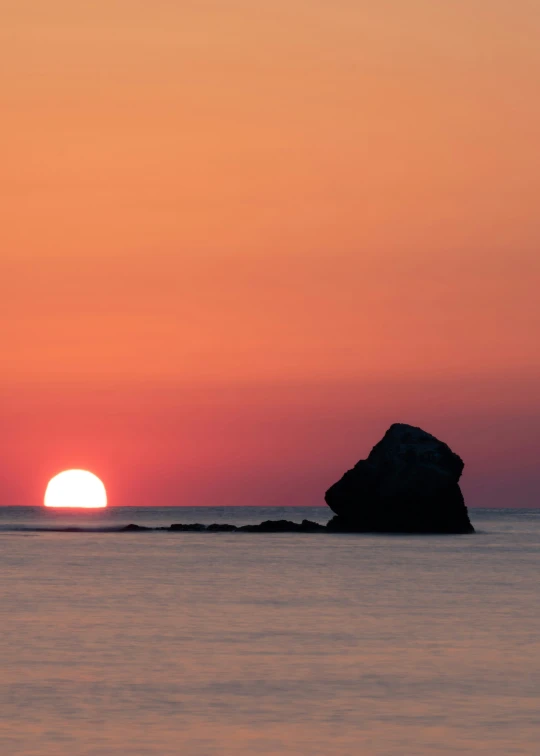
(268, 526)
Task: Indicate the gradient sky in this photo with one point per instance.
(239, 239)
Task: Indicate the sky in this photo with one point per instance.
(238, 240)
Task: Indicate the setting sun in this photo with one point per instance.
(76, 489)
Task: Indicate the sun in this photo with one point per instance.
(76, 489)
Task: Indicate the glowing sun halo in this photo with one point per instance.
(76, 488)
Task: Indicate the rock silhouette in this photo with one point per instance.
(284, 526)
(408, 484)
(268, 526)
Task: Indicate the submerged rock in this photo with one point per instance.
(268, 526)
(219, 527)
(283, 526)
(408, 484)
(195, 526)
(132, 528)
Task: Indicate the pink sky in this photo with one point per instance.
(237, 243)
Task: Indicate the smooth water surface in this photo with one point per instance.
(160, 644)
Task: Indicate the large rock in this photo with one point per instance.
(408, 484)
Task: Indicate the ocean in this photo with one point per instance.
(229, 644)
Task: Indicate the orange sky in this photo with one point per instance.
(238, 239)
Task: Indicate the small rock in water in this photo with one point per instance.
(195, 526)
(408, 484)
(132, 528)
(283, 526)
(218, 527)
(308, 526)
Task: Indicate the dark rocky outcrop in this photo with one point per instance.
(408, 484)
(218, 527)
(195, 526)
(268, 526)
(283, 526)
(132, 528)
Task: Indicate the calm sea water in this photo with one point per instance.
(160, 644)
